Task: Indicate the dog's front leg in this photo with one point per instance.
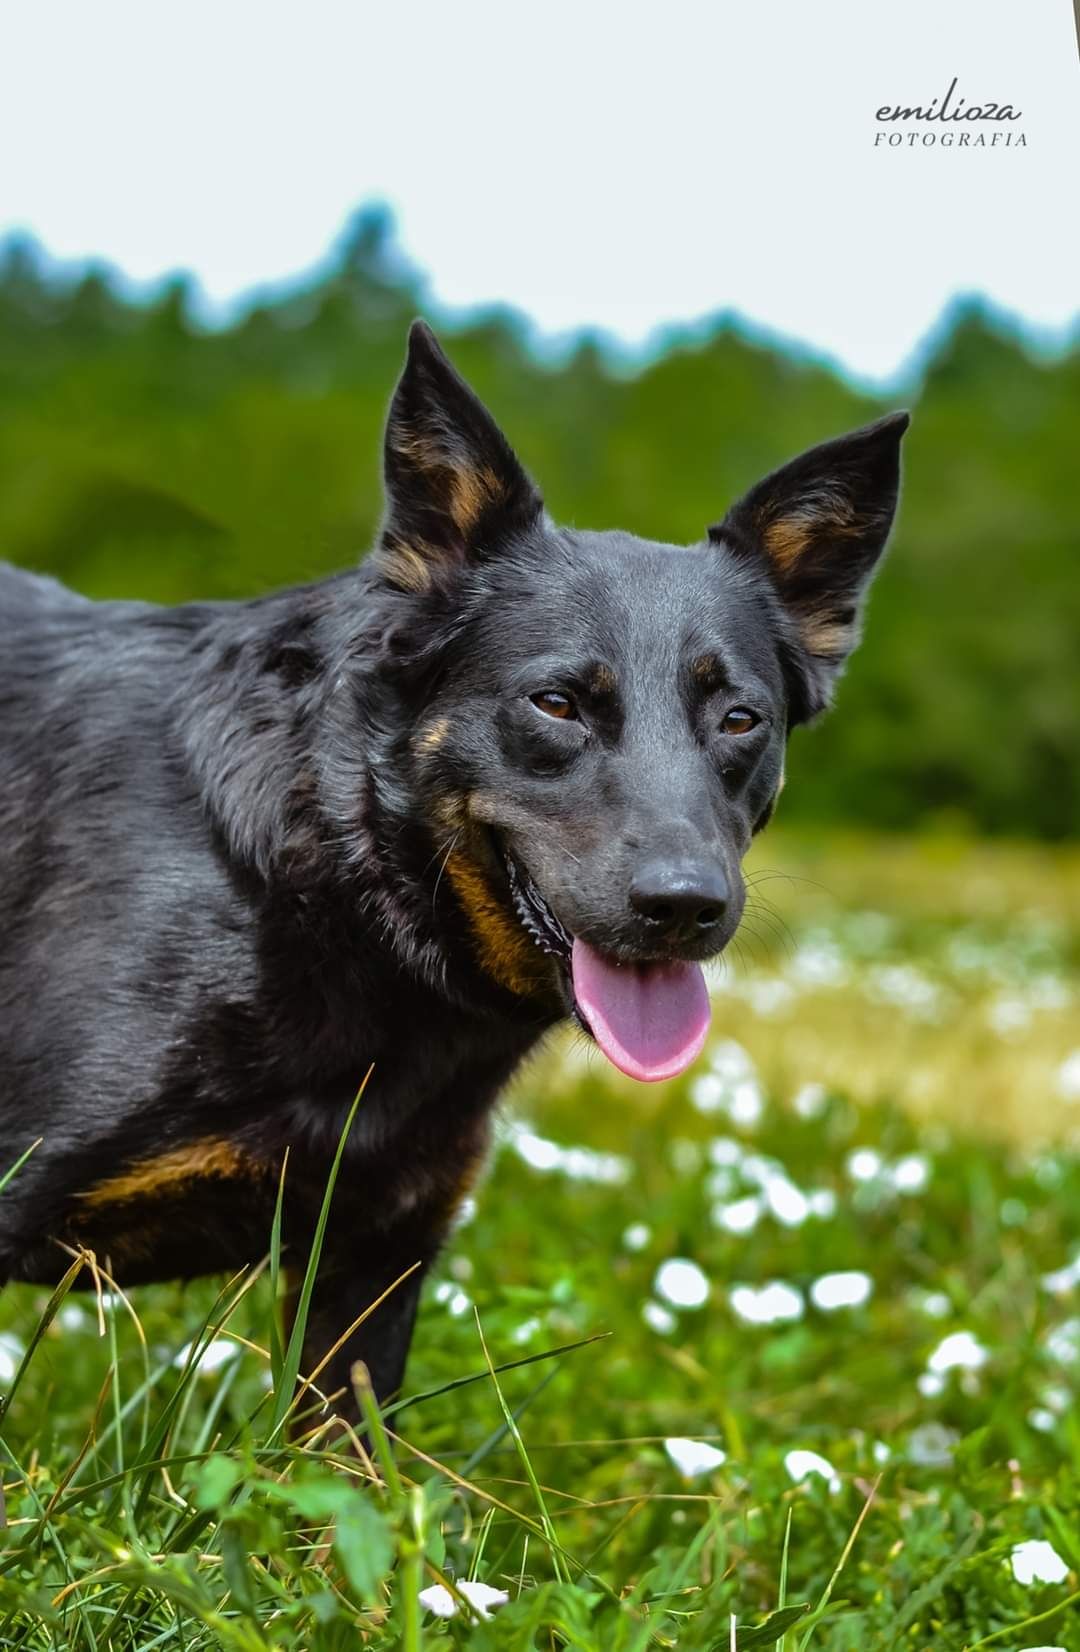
(376, 1279)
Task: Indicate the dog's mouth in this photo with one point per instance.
(650, 1019)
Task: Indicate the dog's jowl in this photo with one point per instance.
(409, 818)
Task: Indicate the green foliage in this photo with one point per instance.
(154, 1502)
(142, 455)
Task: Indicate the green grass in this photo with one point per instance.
(899, 1057)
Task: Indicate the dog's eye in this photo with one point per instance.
(553, 704)
(739, 720)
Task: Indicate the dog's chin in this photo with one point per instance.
(648, 1013)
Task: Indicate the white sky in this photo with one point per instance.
(622, 164)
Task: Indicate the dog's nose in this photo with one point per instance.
(680, 897)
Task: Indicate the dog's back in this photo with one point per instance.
(106, 883)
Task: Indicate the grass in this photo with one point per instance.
(888, 1118)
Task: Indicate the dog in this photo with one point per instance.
(407, 819)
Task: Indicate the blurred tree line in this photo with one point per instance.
(144, 455)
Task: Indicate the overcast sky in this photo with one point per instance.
(622, 164)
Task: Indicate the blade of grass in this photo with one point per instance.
(515, 1434)
(840, 1564)
(482, 1376)
(277, 1350)
(290, 1365)
(1014, 1629)
(51, 1309)
(782, 1593)
(13, 1170)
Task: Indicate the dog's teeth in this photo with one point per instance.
(536, 915)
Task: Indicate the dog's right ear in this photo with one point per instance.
(454, 487)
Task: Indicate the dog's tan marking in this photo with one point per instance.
(471, 493)
(824, 636)
(464, 491)
(428, 740)
(506, 952)
(706, 670)
(408, 565)
(788, 537)
(450, 811)
(192, 1162)
(602, 680)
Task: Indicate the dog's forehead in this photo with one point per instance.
(614, 594)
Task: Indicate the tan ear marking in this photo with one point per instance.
(788, 537)
(824, 636)
(471, 493)
(407, 565)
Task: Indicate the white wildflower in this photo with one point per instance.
(1037, 1562)
(218, 1352)
(959, 1350)
(802, 1464)
(740, 1216)
(1064, 1280)
(681, 1283)
(747, 1104)
(725, 1152)
(694, 1457)
(708, 1092)
(578, 1164)
(788, 1203)
(11, 1353)
(1063, 1342)
(480, 1596)
(932, 1445)
(771, 1304)
(910, 1174)
(810, 1101)
(849, 1289)
(658, 1318)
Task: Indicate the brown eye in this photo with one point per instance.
(553, 704)
(740, 721)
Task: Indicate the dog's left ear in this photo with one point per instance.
(820, 524)
(454, 487)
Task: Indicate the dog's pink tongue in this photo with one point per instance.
(650, 1020)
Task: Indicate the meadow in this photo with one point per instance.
(781, 1354)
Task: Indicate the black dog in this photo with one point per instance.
(409, 818)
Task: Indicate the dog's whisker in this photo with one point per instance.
(445, 861)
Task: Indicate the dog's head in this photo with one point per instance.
(601, 726)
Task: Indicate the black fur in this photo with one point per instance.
(248, 851)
